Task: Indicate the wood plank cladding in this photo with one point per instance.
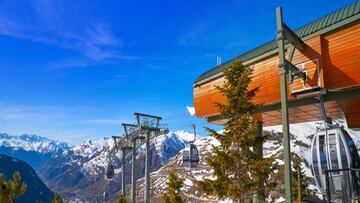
(341, 58)
(332, 61)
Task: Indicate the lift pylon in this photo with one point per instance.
(290, 71)
(147, 128)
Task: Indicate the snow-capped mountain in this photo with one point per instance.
(190, 191)
(32, 149)
(32, 143)
(79, 171)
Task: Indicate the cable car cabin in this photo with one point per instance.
(190, 156)
(329, 59)
(110, 171)
(333, 149)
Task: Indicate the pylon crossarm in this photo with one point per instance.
(291, 51)
(293, 38)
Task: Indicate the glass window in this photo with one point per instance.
(322, 154)
(186, 155)
(333, 151)
(194, 153)
(315, 161)
(344, 161)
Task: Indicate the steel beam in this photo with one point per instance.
(284, 104)
(290, 66)
(293, 38)
(133, 172)
(147, 167)
(291, 53)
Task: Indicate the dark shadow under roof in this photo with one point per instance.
(304, 31)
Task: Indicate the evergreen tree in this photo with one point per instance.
(300, 184)
(57, 199)
(121, 199)
(238, 169)
(12, 189)
(172, 193)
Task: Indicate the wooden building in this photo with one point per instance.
(330, 59)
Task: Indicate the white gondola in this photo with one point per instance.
(110, 171)
(191, 153)
(333, 149)
(191, 156)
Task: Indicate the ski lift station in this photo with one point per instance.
(307, 74)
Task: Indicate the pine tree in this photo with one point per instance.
(238, 169)
(172, 193)
(300, 184)
(57, 199)
(12, 189)
(121, 199)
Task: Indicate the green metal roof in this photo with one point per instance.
(337, 17)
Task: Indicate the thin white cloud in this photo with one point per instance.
(70, 63)
(51, 23)
(69, 124)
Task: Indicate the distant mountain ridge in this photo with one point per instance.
(33, 149)
(32, 143)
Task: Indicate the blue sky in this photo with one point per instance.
(74, 70)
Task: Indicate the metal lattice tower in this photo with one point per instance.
(147, 128)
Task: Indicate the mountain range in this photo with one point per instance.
(79, 172)
(33, 149)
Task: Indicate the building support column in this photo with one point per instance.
(133, 172)
(147, 168)
(259, 196)
(284, 104)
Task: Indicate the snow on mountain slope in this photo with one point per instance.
(31, 143)
(185, 135)
(86, 163)
(33, 149)
(190, 190)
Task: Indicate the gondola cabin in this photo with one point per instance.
(110, 172)
(333, 149)
(190, 156)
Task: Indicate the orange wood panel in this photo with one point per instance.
(338, 66)
(341, 58)
(265, 76)
(303, 114)
(352, 112)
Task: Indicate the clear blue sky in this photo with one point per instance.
(74, 70)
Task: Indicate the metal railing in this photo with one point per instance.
(342, 185)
